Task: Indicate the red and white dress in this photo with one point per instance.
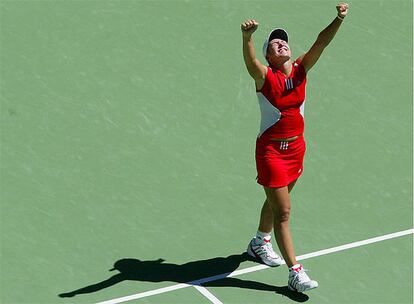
(281, 101)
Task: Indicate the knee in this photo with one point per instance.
(281, 215)
(279, 201)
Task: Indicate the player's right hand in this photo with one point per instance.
(249, 26)
(342, 9)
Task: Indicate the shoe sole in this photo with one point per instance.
(295, 290)
(254, 255)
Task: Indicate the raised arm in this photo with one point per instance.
(256, 69)
(324, 38)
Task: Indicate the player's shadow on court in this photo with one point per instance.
(192, 273)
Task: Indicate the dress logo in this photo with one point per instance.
(289, 84)
(284, 145)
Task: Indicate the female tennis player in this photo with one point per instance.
(280, 146)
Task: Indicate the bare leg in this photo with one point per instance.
(266, 215)
(279, 201)
(266, 218)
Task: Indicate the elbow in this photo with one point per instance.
(321, 43)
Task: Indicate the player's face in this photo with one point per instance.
(278, 49)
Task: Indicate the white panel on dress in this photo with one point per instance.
(269, 113)
(302, 109)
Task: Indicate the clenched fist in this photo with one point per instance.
(248, 27)
(342, 9)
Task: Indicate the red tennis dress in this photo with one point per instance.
(281, 101)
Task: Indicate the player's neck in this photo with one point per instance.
(285, 68)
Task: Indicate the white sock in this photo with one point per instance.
(262, 237)
(296, 267)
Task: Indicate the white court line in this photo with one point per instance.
(146, 294)
(257, 268)
(208, 294)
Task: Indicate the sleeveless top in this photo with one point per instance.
(281, 101)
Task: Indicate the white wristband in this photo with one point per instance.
(340, 18)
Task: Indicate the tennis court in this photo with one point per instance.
(127, 141)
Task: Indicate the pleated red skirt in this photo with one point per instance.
(279, 163)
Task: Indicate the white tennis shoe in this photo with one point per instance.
(264, 251)
(299, 281)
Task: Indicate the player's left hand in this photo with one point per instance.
(342, 9)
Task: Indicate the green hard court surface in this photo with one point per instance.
(128, 132)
